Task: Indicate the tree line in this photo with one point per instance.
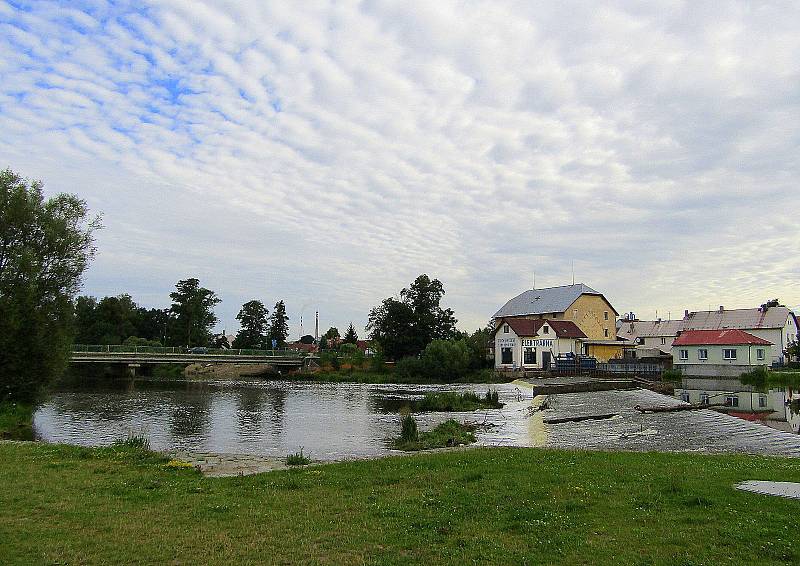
(187, 322)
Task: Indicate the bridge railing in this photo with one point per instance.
(122, 349)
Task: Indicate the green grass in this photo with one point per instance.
(452, 401)
(119, 505)
(16, 421)
(448, 433)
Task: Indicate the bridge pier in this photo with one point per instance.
(132, 369)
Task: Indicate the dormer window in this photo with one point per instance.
(505, 329)
(546, 329)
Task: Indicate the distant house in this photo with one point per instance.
(534, 343)
(777, 325)
(588, 309)
(727, 353)
(650, 334)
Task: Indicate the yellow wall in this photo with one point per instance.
(605, 352)
(590, 317)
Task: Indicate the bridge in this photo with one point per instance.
(137, 356)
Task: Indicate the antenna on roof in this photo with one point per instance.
(573, 272)
(534, 280)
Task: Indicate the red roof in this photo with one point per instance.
(729, 337)
(530, 327)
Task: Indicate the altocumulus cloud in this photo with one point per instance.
(327, 153)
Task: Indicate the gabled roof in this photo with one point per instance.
(547, 300)
(632, 329)
(732, 337)
(743, 319)
(528, 327)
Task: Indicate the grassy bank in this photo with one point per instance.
(447, 434)
(118, 505)
(390, 376)
(16, 421)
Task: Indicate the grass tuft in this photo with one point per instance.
(447, 434)
(136, 441)
(298, 459)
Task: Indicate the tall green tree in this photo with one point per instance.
(193, 308)
(405, 326)
(254, 325)
(45, 247)
(351, 337)
(279, 324)
(332, 332)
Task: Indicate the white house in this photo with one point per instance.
(728, 353)
(776, 325)
(534, 343)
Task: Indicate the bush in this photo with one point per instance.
(330, 360)
(442, 360)
(297, 459)
(408, 429)
(449, 433)
(673, 374)
(138, 441)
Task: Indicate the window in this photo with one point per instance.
(546, 329)
(685, 396)
(663, 341)
(729, 353)
(762, 401)
(505, 329)
(704, 398)
(759, 353)
(702, 354)
(605, 332)
(507, 355)
(530, 356)
(575, 313)
(605, 315)
(732, 401)
(684, 354)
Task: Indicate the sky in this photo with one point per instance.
(327, 153)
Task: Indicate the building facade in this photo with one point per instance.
(579, 304)
(534, 343)
(650, 334)
(728, 353)
(776, 325)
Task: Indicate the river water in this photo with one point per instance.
(344, 421)
(266, 418)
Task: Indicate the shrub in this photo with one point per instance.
(449, 433)
(673, 374)
(297, 459)
(442, 360)
(408, 429)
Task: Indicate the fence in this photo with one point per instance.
(120, 349)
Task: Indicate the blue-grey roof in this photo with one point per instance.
(541, 301)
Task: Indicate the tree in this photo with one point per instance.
(332, 332)
(323, 343)
(307, 339)
(192, 306)
(279, 324)
(254, 324)
(220, 341)
(350, 337)
(45, 247)
(406, 326)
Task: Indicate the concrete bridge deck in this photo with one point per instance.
(146, 358)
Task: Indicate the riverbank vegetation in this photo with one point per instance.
(16, 421)
(447, 434)
(45, 246)
(449, 401)
(64, 504)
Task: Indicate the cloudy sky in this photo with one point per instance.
(328, 153)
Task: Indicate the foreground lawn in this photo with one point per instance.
(62, 504)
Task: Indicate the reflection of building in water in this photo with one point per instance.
(792, 409)
(734, 394)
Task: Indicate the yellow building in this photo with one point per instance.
(579, 303)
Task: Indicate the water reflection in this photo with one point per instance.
(330, 421)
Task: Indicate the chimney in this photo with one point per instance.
(686, 313)
(721, 309)
(316, 327)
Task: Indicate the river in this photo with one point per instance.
(346, 421)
